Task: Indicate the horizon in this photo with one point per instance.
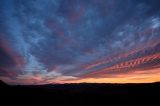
(75, 41)
(72, 83)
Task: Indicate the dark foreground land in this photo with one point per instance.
(84, 93)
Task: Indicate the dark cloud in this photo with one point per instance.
(10, 64)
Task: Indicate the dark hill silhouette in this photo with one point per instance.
(3, 84)
(83, 93)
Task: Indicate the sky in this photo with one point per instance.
(74, 41)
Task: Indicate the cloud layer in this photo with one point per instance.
(56, 41)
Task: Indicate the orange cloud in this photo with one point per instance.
(116, 57)
(127, 65)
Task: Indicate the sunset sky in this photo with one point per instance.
(74, 41)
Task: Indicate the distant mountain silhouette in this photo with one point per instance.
(2, 84)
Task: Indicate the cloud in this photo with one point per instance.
(43, 78)
(59, 39)
(11, 61)
(125, 62)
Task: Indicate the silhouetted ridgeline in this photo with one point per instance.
(81, 93)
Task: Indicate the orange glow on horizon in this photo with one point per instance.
(139, 76)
